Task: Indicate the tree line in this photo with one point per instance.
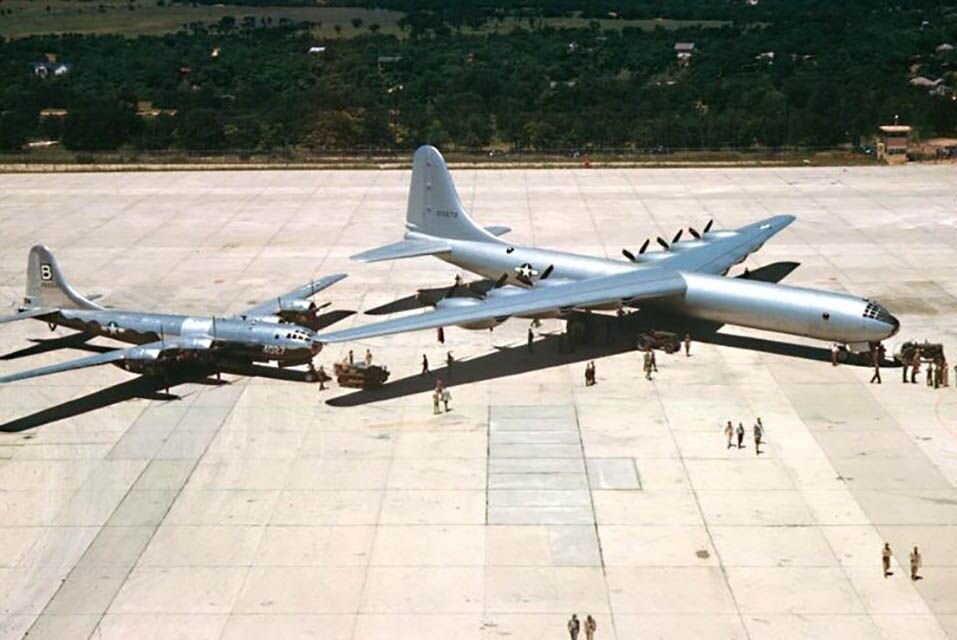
(838, 70)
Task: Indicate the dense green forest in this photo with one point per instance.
(526, 75)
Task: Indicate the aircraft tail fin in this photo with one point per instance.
(46, 286)
(434, 207)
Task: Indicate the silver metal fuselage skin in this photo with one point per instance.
(256, 340)
(748, 303)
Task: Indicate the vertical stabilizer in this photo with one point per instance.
(434, 205)
(46, 286)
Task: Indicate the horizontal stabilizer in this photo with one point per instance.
(28, 313)
(775, 272)
(408, 248)
(498, 230)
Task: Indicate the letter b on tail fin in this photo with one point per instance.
(434, 205)
(46, 286)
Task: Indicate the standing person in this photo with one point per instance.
(915, 365)
(886, 559)
(687, 345)
(944, 372)
(368, 358)
(531, 338)
(938, 375)
(590, 627)
(915, 562)
(449, 361)
(352, 359)
(440, 334)
(647, 364)
(740, 433)
(574, 626)
(593, 373)
(876, 361)
(758, 434)
(729, 431)
(446, 398)
(654, 361)
(930, 373)
(425, 365)
(905, 362)
(321, 374)
(834, 351)
(436, 396)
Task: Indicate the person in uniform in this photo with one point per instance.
(321, 374)
(436, 396)
(531, 338)
(574, 626)
(590, 627)
(930, 373)
(758, 434)
(876, 361)
(729, 431)
(446, 398)
(440, 334)
(886, 559)
(687, 345)
(352, 359)
(915, 562)
(905, 362)
(938, 374)
(915, 366)
(740, 433)
(944, 372)
(425, 365)
(834, 351)
(647, 364)
(654, 361)
(368, 358)
(449, 361)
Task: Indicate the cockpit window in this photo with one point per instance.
(874, 311)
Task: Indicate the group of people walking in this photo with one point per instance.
(575, 627)
(916, 561)
(731, 433)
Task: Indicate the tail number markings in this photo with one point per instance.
(46, 272)
(274, 349)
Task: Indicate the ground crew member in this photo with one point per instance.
(590, 627)
(886, 559)
(449, 361)
(590, 374)
(322, 378)
(915, 562)
(904, 364)
(368, 358)
(930, 373)
(531, 338)
(458, 280)
(574, 626)
(740, 433)
(440, 334)
(729, 431)
(915, 366)
(647, 365)
(435, 401)
(351, 358)
(654, 361)
(446, 398)
(758, 434)
(834, 351)
(876, 361)
(938, 375)
(687, 345)
(425, 365)
(944, 372)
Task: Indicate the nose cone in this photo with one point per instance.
(895, 325)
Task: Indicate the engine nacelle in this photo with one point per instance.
(463, 303)
(297, 306)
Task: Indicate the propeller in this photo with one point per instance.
(664, 245)
(628, 254)
(694, 232)
(644, 247)
(547, 272)
(707, 227)
(677, 236)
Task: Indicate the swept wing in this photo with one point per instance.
(144, 353)
(275, 305)
(639, 284)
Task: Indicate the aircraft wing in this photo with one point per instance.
(28, 313)
(718, 251)
(275, 305)
(633, 286)
(144, 352)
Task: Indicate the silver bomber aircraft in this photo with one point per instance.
(685, 278)
(277, 330)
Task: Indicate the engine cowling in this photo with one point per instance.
(462, 303)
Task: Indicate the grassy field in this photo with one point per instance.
(30, 17)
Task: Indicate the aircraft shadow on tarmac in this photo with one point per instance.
(148, 387)
(617, 336)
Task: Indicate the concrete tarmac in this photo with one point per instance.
(266, 508)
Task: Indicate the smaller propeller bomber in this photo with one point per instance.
(280, 330)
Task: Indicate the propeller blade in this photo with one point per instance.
(694, 232)
(628, 254)
(663, 244)
(547, 272)
(707, 227)
(677, 236)
(644, 247)
(501, 281)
